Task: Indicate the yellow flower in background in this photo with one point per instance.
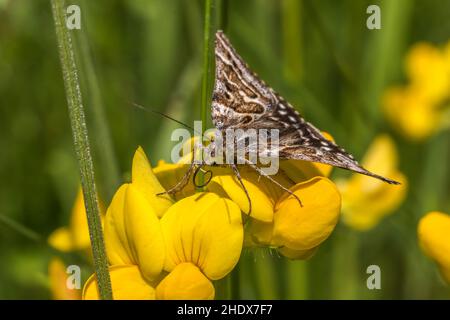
(75, 237)
(165, 250)
(434, 238)
(428, 71)
(365, 201)
(58, 282)
(421, 108)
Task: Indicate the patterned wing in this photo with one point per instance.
(239, 96)
(242, 101)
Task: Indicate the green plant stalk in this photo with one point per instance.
(345, 257)
(266, 276)
(292, 40)
(296, 280)
(206, 66)
(20, 228)
(224, 287)
(206, 62)
(82, 149)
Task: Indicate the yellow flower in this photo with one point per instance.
(365, 201)
(434, 238)
(418, 109)
(76, 236)
(427, 70)
(58, 279)
(411, 114)
(165, 250)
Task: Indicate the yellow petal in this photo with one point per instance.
(185, 282)
(303, 228)
(144, 179)
(262, 206)
(133, 232)
(297, 254)
(116, 240)
(263, 193)
(58, 282)
(127, 284)
(434, 238)
(61, 239)
(143, 231)
(206, 230)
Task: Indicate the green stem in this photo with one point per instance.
(206, 62)
(266, 277)
(19, 228)
(345, 257)
(297, 280)
(82, 149)
(291, 24)
(206, 66)
(235, 282)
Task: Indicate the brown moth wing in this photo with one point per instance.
(243, 101)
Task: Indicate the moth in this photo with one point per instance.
(241, 100)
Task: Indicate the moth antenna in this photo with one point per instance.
(141, 107)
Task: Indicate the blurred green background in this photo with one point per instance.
(318, 54)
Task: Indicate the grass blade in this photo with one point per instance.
(82, 148)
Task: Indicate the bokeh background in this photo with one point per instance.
(318, 54)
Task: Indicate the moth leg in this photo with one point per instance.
(253, 166)
(185, 179)
(181, 184)
(238, 175)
